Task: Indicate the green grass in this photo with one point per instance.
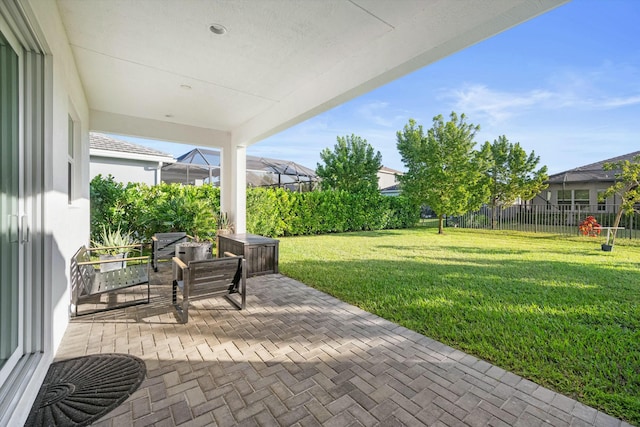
(553, 309)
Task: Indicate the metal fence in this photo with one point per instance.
(547, 219)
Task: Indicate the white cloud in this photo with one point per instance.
(606, 86)
(500, 106)
(621, 102)
(371, 112)
(496, 106)
(379, 113)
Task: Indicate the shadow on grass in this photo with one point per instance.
(374, 233)
(462, 249)
(570, 326)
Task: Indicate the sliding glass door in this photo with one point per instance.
(11, 247)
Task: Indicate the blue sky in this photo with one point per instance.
(565, 85)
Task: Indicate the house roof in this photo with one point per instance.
(385, 169)
(593, 172)
(105, 146)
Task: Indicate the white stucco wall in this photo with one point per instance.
(386, 179)
(66, 225)
(125, 170)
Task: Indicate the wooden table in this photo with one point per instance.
(260, 253)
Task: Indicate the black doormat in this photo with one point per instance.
(79, 391)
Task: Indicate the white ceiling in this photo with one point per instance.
(280, 62)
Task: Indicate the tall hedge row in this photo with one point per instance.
(146, 210)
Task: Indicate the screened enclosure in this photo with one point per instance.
(202, 165)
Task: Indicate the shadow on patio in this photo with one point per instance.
(297, 356)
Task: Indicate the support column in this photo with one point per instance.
(233, 185)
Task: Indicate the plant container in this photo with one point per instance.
(193, 251)
(112, 266)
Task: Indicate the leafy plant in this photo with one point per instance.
(352, 166)
(589, 227)
(112, 239)
(271, 212)
(512, 174)
(627, 187)
(223, 222)
(443, 169)
(106, 196)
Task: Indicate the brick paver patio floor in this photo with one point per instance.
(297, 356)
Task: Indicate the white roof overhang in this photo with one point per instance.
(152, 68)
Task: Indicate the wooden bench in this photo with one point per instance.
(88, 281)
(164, 245)
(207, 278)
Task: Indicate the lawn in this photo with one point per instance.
(556, 310)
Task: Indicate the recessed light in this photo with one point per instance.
(217, 29)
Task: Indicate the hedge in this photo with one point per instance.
(145, 210)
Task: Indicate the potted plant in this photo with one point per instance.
(224, 224)
(110, 247)
(589, 227)
(195, 250)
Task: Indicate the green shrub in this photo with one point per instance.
(175, 207)
(278, 212)
(144, 210)
(106, 196)
(268, 211)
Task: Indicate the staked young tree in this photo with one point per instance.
(512, 174)
(627, 187)
(352, 166)
(443, 169)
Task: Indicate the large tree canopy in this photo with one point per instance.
(352, 166)
(443, 169)
(627, 187)
(512, 174)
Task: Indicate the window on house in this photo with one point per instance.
(581, 197)
(564, 197)
(602, 203)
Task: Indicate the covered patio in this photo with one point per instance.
(223, 74)
(297, 356)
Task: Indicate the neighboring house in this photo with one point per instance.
(388, 182)
(579, 188)
(387, 178)
(127, 162)
(202, 165)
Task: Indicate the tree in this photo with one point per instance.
(352, 166)
(511, 174)
(443, 169)
(627, 187)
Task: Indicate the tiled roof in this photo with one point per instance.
(592, 172)
(99, 141)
